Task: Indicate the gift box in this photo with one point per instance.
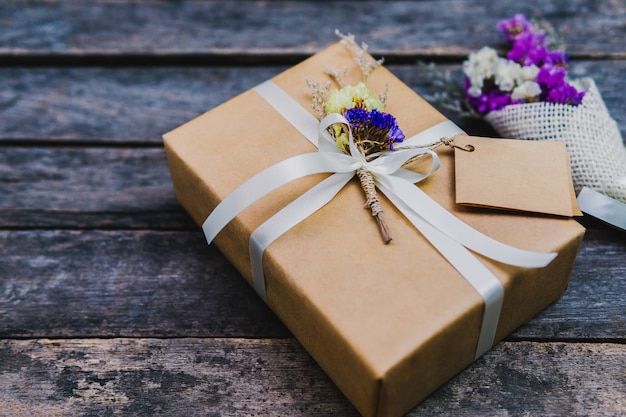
(389, 323)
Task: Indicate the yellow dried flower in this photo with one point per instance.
(351, 96)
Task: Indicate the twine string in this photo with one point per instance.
(372, 202)
(444, 140)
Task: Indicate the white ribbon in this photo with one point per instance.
(603, 207)
(451, 237)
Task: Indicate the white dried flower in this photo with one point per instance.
(526, 91)
(507, 73)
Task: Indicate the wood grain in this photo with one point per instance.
(536, 379)
(164, 377)
(595, 295)
(276, 377)
(134, 105)
(151, 31)
(73, 187)
(131, 284)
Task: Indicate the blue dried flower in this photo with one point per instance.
(357, 116)
(373, 131)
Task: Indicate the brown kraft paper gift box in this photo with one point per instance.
(388, 323)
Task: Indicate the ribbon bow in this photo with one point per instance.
(389, 163)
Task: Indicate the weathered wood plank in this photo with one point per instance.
(129, 284)
(67, 218)
(537, 379)
(60, 283)
(155, 377)
(88, 188)
(138, 105)
(114, 105)
(594, 297)
(159, 377)
(145, 30)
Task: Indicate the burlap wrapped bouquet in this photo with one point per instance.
(527, 96)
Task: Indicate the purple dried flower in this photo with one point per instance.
(490, 101)
(565, 94)
(556, 57)
(528, 49)
(555, 88)
(551, 76)
(511, 28)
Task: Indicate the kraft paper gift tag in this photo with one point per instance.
(509, 174)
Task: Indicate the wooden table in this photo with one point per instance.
(110, 300)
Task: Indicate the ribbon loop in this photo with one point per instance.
(269, 180)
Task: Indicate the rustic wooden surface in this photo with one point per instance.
(111, 302)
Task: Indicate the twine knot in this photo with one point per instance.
(450, 142)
